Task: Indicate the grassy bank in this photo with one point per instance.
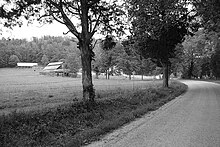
(75, 125)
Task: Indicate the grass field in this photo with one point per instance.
(25, 89)
(72, 123)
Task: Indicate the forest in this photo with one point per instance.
(53, 49)
(198, 56)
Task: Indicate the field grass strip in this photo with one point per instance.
(77, 124)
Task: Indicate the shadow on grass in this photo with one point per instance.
(76, 125)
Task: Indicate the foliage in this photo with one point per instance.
(73, 62)
(157, 27)
(215, 62)
(13, 60)
(197, 53)
(44, 60)
(106, 55)
(76, 124)
(127, 61)
(43, 50)
(209, 12)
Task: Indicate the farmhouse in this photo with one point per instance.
(26, 65)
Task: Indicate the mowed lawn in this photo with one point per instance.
(25, 89)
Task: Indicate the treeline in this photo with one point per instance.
(47, 49)
(39, 50)
(201, 55)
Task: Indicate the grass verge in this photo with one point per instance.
(75, 125)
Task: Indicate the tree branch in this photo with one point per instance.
(66, 20)
(96, 24)
(66, 33)
(57, 19)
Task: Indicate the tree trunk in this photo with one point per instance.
(165, 74)
(129, 76)
(88, 90)
(97, 75)
(86, 56)
(108, 74)
(191, 66)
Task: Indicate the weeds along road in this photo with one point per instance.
(191, 120)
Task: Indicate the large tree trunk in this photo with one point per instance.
(165, 74)
(88, 90)
(86, 56)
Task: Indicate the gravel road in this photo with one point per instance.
(191, 120)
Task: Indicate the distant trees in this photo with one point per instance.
(43, 50)
(73, 62)
(107, 56)
(13, 60)
(215, 62)
(127, 60)
(44, 60)
(209, 17)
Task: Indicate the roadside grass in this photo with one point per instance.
(75, 124)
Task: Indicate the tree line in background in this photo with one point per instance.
(198, 56)
(39, 50)
(109, 59)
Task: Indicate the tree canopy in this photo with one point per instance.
(157, 27)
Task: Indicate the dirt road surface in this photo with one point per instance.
(191, 120)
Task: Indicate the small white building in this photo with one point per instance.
(26, 65)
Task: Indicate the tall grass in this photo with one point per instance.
(76, 125)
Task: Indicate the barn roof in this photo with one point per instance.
(53, 66)
(55, 63)
(23, 64)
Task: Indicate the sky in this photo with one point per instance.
(30, 31)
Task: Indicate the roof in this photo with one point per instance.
(55, 63)
(22, 64)
(53, 66)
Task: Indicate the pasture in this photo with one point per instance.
(26, 89)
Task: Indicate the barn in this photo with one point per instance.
(55, 68)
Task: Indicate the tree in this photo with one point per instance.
(107, 46)
(209, 12)
(215, 62)
(73, 62)
(127, 60)
(197, 54)
(157, 27)
(89, 13)
(13, 60)
(44, 60)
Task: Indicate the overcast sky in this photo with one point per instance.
(28, 32)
